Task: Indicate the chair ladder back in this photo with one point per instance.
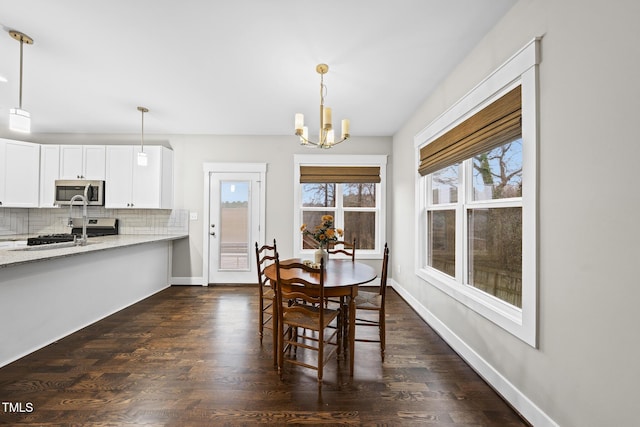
(298, 287)
(265, 256)
(383, 274)
(348, 249)
(302, 319)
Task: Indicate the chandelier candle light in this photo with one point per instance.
(19, 119)
(326, 134)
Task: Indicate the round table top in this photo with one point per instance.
(338, 272)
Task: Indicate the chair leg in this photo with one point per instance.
(383, 334)
(320, 354)
(261, 320)
(279, 355)
(345, 326)
(274, 328)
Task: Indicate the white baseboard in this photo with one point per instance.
(532, 413)
(198, 281)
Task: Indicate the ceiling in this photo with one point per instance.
(235, 67)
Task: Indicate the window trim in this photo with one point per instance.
(341, 160)
(520, 69)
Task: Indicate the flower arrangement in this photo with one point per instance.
(324, 233)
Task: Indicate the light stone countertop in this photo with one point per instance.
(15, 237)
(16, 256)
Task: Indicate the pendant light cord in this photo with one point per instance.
(20, 97)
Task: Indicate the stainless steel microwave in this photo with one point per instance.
(92, 189)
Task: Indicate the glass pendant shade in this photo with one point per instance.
(142, 159)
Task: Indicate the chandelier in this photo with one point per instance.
(326, 137)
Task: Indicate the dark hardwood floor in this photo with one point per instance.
(191, 356)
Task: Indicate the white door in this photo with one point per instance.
(234, 226)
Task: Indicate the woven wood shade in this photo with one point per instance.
(496, 124)
(339, 174)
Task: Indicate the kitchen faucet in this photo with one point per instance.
(83, 240)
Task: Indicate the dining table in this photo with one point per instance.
(341, 280)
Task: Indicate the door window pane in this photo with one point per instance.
(234, 225)
(495, 252)
(441, 249)
(362, 227)
(497, 174)
(318, 195)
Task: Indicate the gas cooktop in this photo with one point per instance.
(95, 227)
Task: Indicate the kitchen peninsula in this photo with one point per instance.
(48, 293)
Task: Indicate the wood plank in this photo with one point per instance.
(191, 355)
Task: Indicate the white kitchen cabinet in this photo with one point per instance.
(49, 172)
(131, 186)
(82, 162)
(19, 174)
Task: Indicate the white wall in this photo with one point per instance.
(190, 152)
(585, 371)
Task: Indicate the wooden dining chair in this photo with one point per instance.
(303, 321)
(343, 247)
(374, 302)
(265, 256)
(349, 249)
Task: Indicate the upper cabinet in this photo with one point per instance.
(129, 185)
(82, 162)
(49, 172)
(19, 174)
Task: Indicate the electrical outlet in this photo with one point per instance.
(193, 216)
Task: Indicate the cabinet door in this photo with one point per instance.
(71, 161)
(147, 180)
(119, 167)
(21, 174)
(94, 162)
(49, 172)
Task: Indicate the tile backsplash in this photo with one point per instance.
(131, 221)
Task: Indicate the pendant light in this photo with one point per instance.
(19, 119)
(142, 156)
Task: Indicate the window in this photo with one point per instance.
(349, 188)
(477, 198)
(491, 202)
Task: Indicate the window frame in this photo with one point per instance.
(520, 69)
(341, 160)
